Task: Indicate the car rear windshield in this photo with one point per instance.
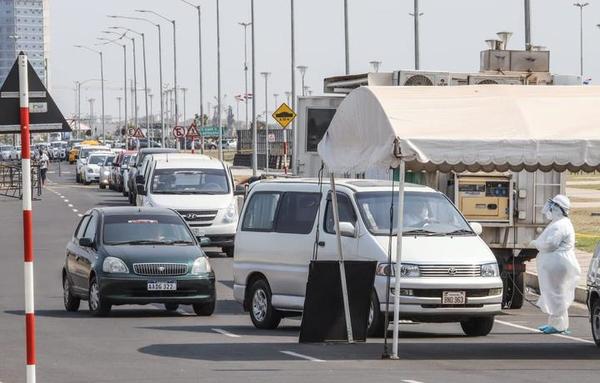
(145, 229)
(190, 181)
(97, 159)
(109, 161)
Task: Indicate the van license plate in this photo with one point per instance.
(454, 297)
(162, 286)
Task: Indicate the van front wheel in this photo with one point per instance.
(262, 313)
(376, 322)
(478, 326)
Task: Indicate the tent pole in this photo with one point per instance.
(402, 169)
(336, 222)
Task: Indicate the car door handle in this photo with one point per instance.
(321, 243)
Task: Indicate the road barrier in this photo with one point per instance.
(11, 179)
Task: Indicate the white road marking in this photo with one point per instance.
(410, 381)
(80, 215)
(539, 332)
(226, 333)
(75, 210)
(291, 353)
(66, 200)
(70, 205)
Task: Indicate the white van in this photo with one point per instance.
(200, 188)
(449, 273)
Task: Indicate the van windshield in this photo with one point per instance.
(189, 181)
(424, 214)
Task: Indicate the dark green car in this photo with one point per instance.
(126, 255)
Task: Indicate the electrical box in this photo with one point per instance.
(484, 198)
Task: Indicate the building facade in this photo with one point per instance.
(24, 27)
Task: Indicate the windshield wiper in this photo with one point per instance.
(421, 232)
(141, 242)
(178, 242)
(460, 232)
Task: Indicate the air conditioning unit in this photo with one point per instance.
(495, 80)
(421, 78)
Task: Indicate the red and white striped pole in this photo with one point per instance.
(27, 218)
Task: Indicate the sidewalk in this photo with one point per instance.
(584, 258)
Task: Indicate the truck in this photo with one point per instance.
(508, 205)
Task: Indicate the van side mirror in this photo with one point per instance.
(239, 190)
(477, 228)
(86, 242)
(347, 229)
(139, 179)
(141, 189)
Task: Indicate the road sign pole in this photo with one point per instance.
(27, 218)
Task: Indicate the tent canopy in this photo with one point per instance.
(466, 128)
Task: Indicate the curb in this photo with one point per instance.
(531, 280)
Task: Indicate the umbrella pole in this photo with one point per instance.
(402, 169)
(336, 222)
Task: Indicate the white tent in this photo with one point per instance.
(500, 127)
(457, 128)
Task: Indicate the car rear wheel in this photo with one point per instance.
(204, 309)
(171, 306)
(97, 305)
(71, 302)
(595, 316)
(262, 313)
(478, 326)
(376, 322)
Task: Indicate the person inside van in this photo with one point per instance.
(416, 214)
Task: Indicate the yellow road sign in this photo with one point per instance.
(284, 115)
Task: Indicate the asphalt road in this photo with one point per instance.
(147, 344)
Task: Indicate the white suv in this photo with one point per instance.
(82, 158)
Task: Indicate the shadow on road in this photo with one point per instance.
(238, 352)
(248, 330)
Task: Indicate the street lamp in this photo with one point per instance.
(302, 69)
(145, 73)
(124, 46)
(581, 6)
(101, 79)
(199, 58)
(346, 38)
(287, 96)
(79, 84)
(266, 76)
(254, 127)
(134, 88)
(276, 97)
(416, 14)
(162, 119)
(246, 25)
(174, 56)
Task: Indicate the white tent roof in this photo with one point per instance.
(479, 127)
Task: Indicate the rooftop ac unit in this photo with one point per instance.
(495, 79)
(421, 78)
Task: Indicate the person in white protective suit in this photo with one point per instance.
(558, 270)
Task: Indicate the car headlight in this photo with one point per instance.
(201, 266)
(231, 213)
(490, 270)
(407, 270)
(106, 172)
(114, 265)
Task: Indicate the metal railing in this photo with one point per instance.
(11, 179)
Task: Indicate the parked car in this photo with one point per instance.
(6, 152)
(133, 170)
(105, 170)
(58, 150)
(128, 163)
(199, 187)
(136, 256)
(121, 163)
(593, 298)
(82, 158)
(91, 170)
(448, 273)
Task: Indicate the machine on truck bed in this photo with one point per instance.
(508, 205)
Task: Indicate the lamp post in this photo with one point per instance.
(199, 58)
(245, 25)
(160, 74)
(174, 56)
(581, 6)
(219, 83)
(119, 98)
(254, 127)
(124, 46)
(79, 84)
(527, 14)
(92, 118)
(287, 96)
(293, 88)
(101, 79)
(266, 76)
(416, 14)
(302, 69)
(375, 65)
(276, 97)
(145, 74)
(347, 38)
